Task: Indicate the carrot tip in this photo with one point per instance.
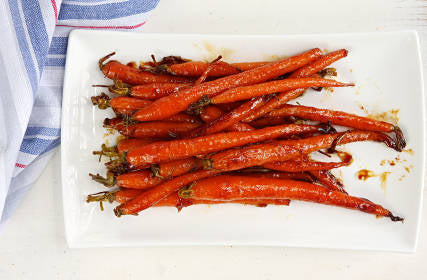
(118, 212)
(400, 138)
(395, 218)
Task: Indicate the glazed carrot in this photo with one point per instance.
(303, 72)
(176, 167)
(275, 174)
(315, 143)
(154, 129)
(142, 179)
(258, 155)
(245, 66)
(177, 149)
(154, 195)
(326, 178)
(179, 101)
(227, 120)
(263, 122)
(134, 76)
(175, 201)
(247, 92)
(239, 187)
(197, 68)
(123, 195)
(103, 101)
(339, 118)
(128, 144)
(211, 113)
(182, 117)
(304, 164)
(156, 90)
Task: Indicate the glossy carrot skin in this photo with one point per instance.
(179, 101)
(173, 200)
(315, 143)
(245, 66)
(211, 113)
(197, 68)
(263, 122)
(326, 178)
(247, 92)
(305, 164)
(146, 178)
(258, 155)
(177, 167)
(154, 195)
(142, 179)
(128, 144)
(303, 72)
(237, 187)
(229, 119)
(156, 90)
(182, 117)
(177, 149)
(335, 117)
(129, 103)
(130, 75)
(157, 129)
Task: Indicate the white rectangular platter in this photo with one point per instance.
(386, 68)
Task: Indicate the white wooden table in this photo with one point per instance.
(33, 244)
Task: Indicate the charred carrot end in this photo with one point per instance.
(103, 59)
(102, 101)
(395, 218)
(400, 138)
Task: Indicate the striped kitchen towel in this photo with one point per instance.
(32, 58)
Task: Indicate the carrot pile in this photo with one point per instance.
(207, 133)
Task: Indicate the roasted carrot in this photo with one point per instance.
(339, 118)
(239, 187)
(123, 195)
(157, 129)
(210, 113)
(263, 122)
(229, 119)
(144, 179)
(326, 178)
(154, 90)
(245, 66)
(134, 76)
(103, 101)
(128, 144)
(257, 155)
(247, 92)
(179, 101)
(154, 195)
(175, 168)
(177, 149)
(196, 68)
(182, 117)
(303, 72)
(305, 164)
